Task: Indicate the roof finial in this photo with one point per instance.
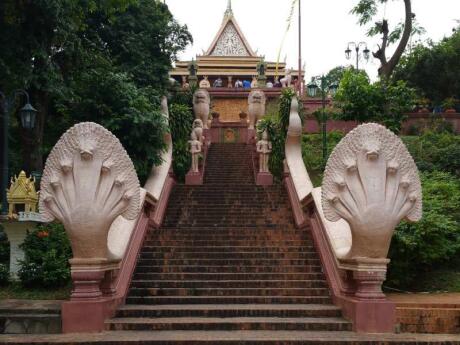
(229, 11)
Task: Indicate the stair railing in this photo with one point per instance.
(355, 282)
(106, 233)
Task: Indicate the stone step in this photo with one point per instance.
(229, 233)
(229, 262)
(232, 310)
(227, 284)
(228, 276)
(226, 256)
(157, 300)
(163, 241)
(227, 269)
(227, 249)
(238, 323)
(202, 291)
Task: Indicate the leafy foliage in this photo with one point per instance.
(181, 121)
(47, 252)
(131, 113)
(433, 69)
(362, 101)
(4, 257)
(335, 75)
(435, 240)
(312, 153)
(276, 123)
(436, 152)
(106, 61)
(4, 274)
(4, 247)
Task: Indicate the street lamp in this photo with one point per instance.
(316, 83)
(366, 53)
(28, 115)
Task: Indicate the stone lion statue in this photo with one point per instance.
(201, 105)
(256, 103)
(287, 80)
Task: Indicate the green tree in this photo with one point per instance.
(335, 75)
(433, 69)
(363, 101)
(103, 61)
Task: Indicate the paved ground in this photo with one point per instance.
(240, 337)
(441, 300)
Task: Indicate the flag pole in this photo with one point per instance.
(300, 81)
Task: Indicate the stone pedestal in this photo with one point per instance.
(92, 295)
(368, 306)
(193, 178)
(16, 232)
(87, 278)
(368, 275)
(264, 179)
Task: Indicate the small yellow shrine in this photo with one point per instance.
(21, 193)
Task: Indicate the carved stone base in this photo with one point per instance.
(193, 178)
(87, 276)
(264, 179)
(368, 275)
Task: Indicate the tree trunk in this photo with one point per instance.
(387, 68)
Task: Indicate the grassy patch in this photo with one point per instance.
(17, 291)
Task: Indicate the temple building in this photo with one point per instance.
(230, 58)
(231, 61)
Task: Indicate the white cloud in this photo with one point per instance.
(327, 27)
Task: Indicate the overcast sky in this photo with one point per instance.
(327, 27)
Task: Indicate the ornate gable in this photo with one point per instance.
(230, 43)
(230, 40)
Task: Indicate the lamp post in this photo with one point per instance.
(357, 46)
(316, 83)
(28, 114)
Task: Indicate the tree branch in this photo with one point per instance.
(387, 68)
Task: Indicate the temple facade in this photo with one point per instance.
(230, 58)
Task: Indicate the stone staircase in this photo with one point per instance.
(229, 267)
(228, 258)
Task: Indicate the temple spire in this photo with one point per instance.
(229, 11)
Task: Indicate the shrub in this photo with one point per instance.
(180, 122)
(4, 247)
(4, 274)
(423, 246)
(276, 123)
(312, 153)
(436, 152)
(362, 101)
(46, 257)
